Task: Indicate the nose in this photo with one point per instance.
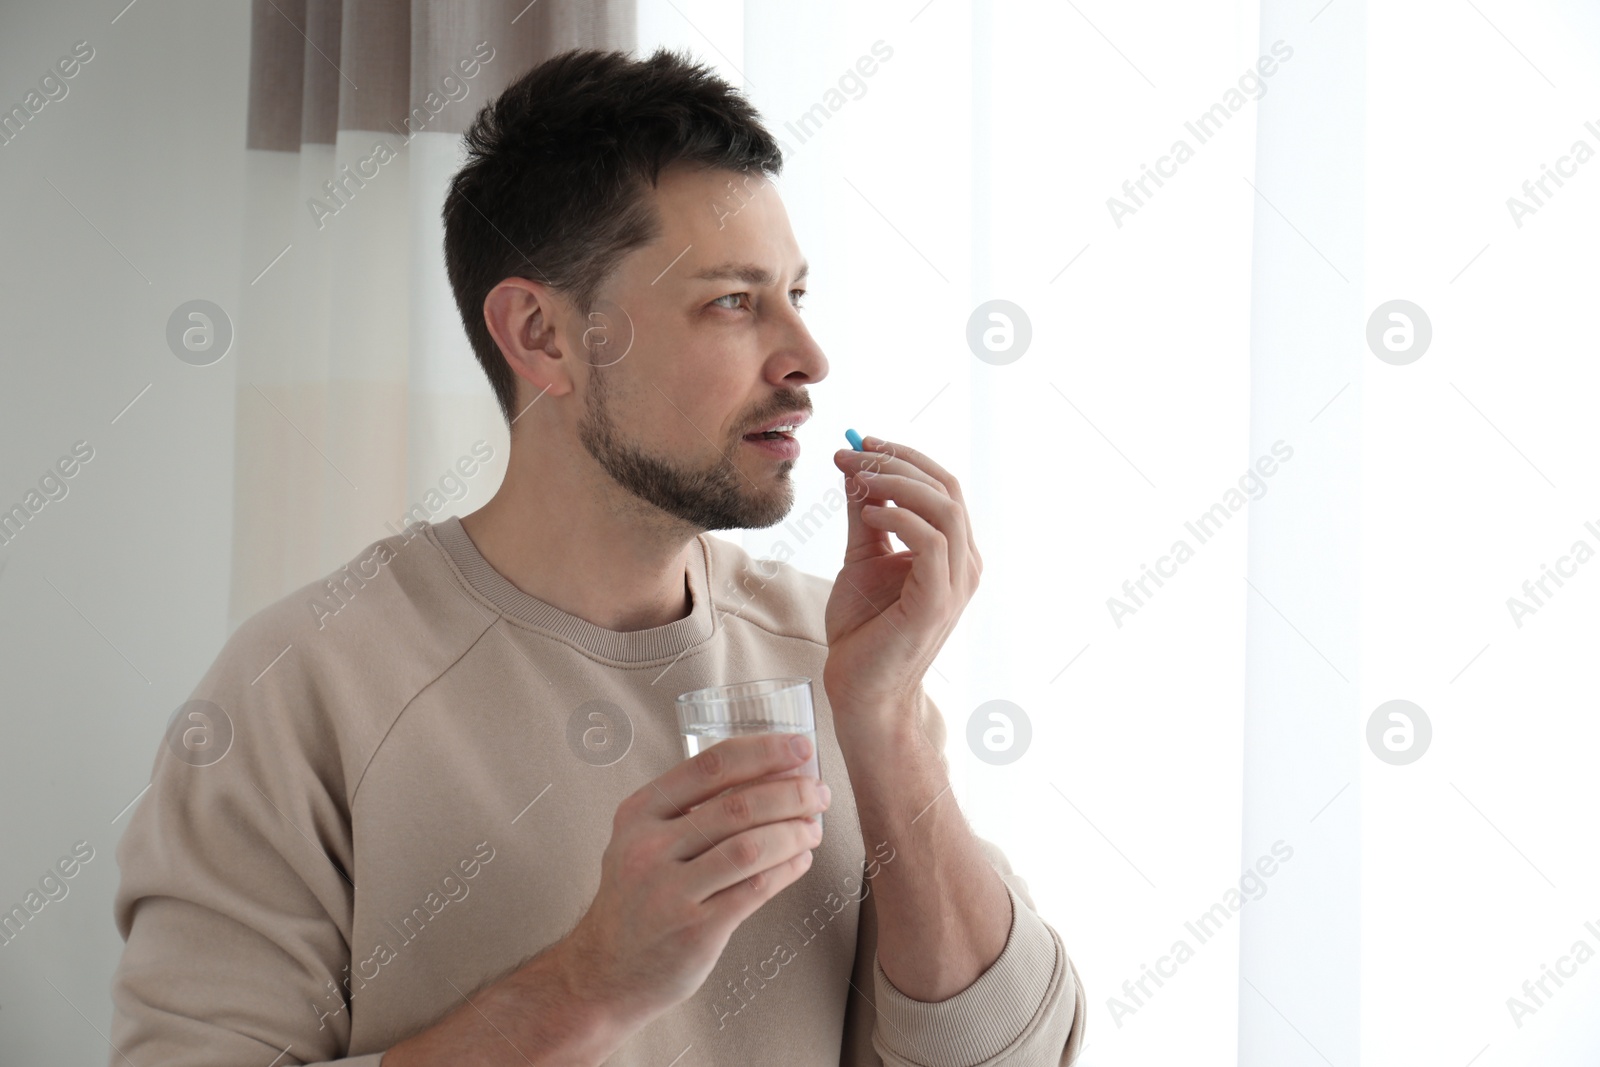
(798, 358)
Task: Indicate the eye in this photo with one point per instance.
(795, 298)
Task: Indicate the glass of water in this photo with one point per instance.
(771, 705)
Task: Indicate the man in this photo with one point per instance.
(454, 825)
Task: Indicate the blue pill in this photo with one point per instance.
(854, 439)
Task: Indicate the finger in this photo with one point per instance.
(861, 492)
(917, 459)
(861, 540)
(795, 796)
(740, 900)
(934, 508)
(926, 463)
(889, 463)
(930, 548)
(744, 855)
(722, 766)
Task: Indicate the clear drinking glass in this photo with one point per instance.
(771, 705)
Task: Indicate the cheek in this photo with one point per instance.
(684, 386)
(708, 391)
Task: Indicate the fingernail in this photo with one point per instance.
(826, 793)
(800, 745)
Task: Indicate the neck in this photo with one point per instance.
(607, 558)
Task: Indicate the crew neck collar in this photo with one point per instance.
(635, 646)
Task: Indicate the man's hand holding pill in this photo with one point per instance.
(944, 914)
(890, 612)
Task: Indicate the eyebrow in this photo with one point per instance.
(749, 273)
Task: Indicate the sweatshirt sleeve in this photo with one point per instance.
(235, 900)
(1026, 1010)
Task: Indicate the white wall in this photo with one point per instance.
(112, 599)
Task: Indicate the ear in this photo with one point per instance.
(525, 319)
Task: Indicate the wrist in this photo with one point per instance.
(551, 1010)
(597, 1023)
(877, 729)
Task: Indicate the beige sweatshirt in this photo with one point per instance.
(399, 786)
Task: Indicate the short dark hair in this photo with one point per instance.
(553, 187)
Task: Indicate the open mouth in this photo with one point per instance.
(777, 433)
(778, 444)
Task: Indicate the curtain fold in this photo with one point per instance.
(275, 470)
(309, 262)
(1300, 947)
(368, 249)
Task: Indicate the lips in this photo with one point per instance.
(781, 446)
(792, 419)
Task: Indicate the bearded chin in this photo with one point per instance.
(718, 497)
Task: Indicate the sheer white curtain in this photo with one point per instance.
(1216, 807)
(1479, 869)
(944, 155)
(1424, 280)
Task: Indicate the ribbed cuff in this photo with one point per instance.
(995, 1012)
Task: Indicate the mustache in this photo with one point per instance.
(799, 403)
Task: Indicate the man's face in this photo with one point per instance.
(685, 359)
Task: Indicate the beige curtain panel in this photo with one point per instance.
(358, 393)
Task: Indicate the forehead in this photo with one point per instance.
(714, 215)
